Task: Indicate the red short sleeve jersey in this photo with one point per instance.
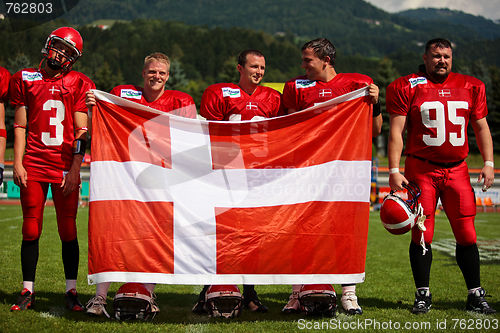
(172, 101)
(4, 84)
(437, 114)
(50, 107)
(301, 93)
(227, 101)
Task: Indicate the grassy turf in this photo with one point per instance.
(386, 296)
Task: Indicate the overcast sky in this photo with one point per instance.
(487, 8)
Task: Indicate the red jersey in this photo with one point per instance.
(50, 106)
(172, 101)
(227, 101)
(437, 114)
(4, 84)
(300, 93)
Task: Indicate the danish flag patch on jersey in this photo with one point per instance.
(229, 92)
(131, 93)
(444, 92)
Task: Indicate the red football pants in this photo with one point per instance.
(33, 199)
(452, 186)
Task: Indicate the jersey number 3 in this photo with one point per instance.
(54, 121)
(456, 139)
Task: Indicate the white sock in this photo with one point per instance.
(471, 291)
(102, 289)
(150, 287)
(348, 288)
(30, 285)
(70, 284)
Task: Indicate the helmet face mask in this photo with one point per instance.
(223, 301)
(133, 302)
(63, 48)
(318, 300)
(398, 216)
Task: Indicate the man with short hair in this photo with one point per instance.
(50, 108)
(322, 83)
(435, 106)
(155, 74)
(247, 100)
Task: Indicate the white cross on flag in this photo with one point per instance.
(187, 201)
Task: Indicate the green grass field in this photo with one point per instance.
(386, 296)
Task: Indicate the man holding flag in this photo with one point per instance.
(264, 201)
(155, 74)
(322, 83)
(246, 100)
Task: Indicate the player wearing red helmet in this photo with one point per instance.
(435, 106)
(4, 90)
(50, 133)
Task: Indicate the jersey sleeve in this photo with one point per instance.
(289, 98)
(480, 108)
(397, 99)
(16, 90)
(278, 109)
(212, 105)
(4, 84)
(186, 106)
(115, 91)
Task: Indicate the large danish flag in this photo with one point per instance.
(187, 201)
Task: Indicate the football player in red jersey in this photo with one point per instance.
(4, 90)
(322, 83)
(155, 74)
(50, 133)
(246, 100)
(435, 106)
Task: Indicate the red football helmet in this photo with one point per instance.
(133, 301)
(71, 52)
(399, 216)
(318, 300)
(223, 301)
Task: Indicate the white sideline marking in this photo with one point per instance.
(489, 249)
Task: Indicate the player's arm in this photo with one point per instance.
(3, 140)
(394, 150)
(72, 179)
(373, 93)
(20, 121)
(90, 103)
(485, 144)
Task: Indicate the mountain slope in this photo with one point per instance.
(355, 26)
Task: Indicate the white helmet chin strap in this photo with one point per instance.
(420, 223)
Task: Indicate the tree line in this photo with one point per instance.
(202, 56)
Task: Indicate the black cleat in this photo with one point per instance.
(200, 308)
(72, 301)
(477, 303)
(25, 301)
(252, 302)
(423, 301)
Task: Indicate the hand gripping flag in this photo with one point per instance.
(186, 201)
